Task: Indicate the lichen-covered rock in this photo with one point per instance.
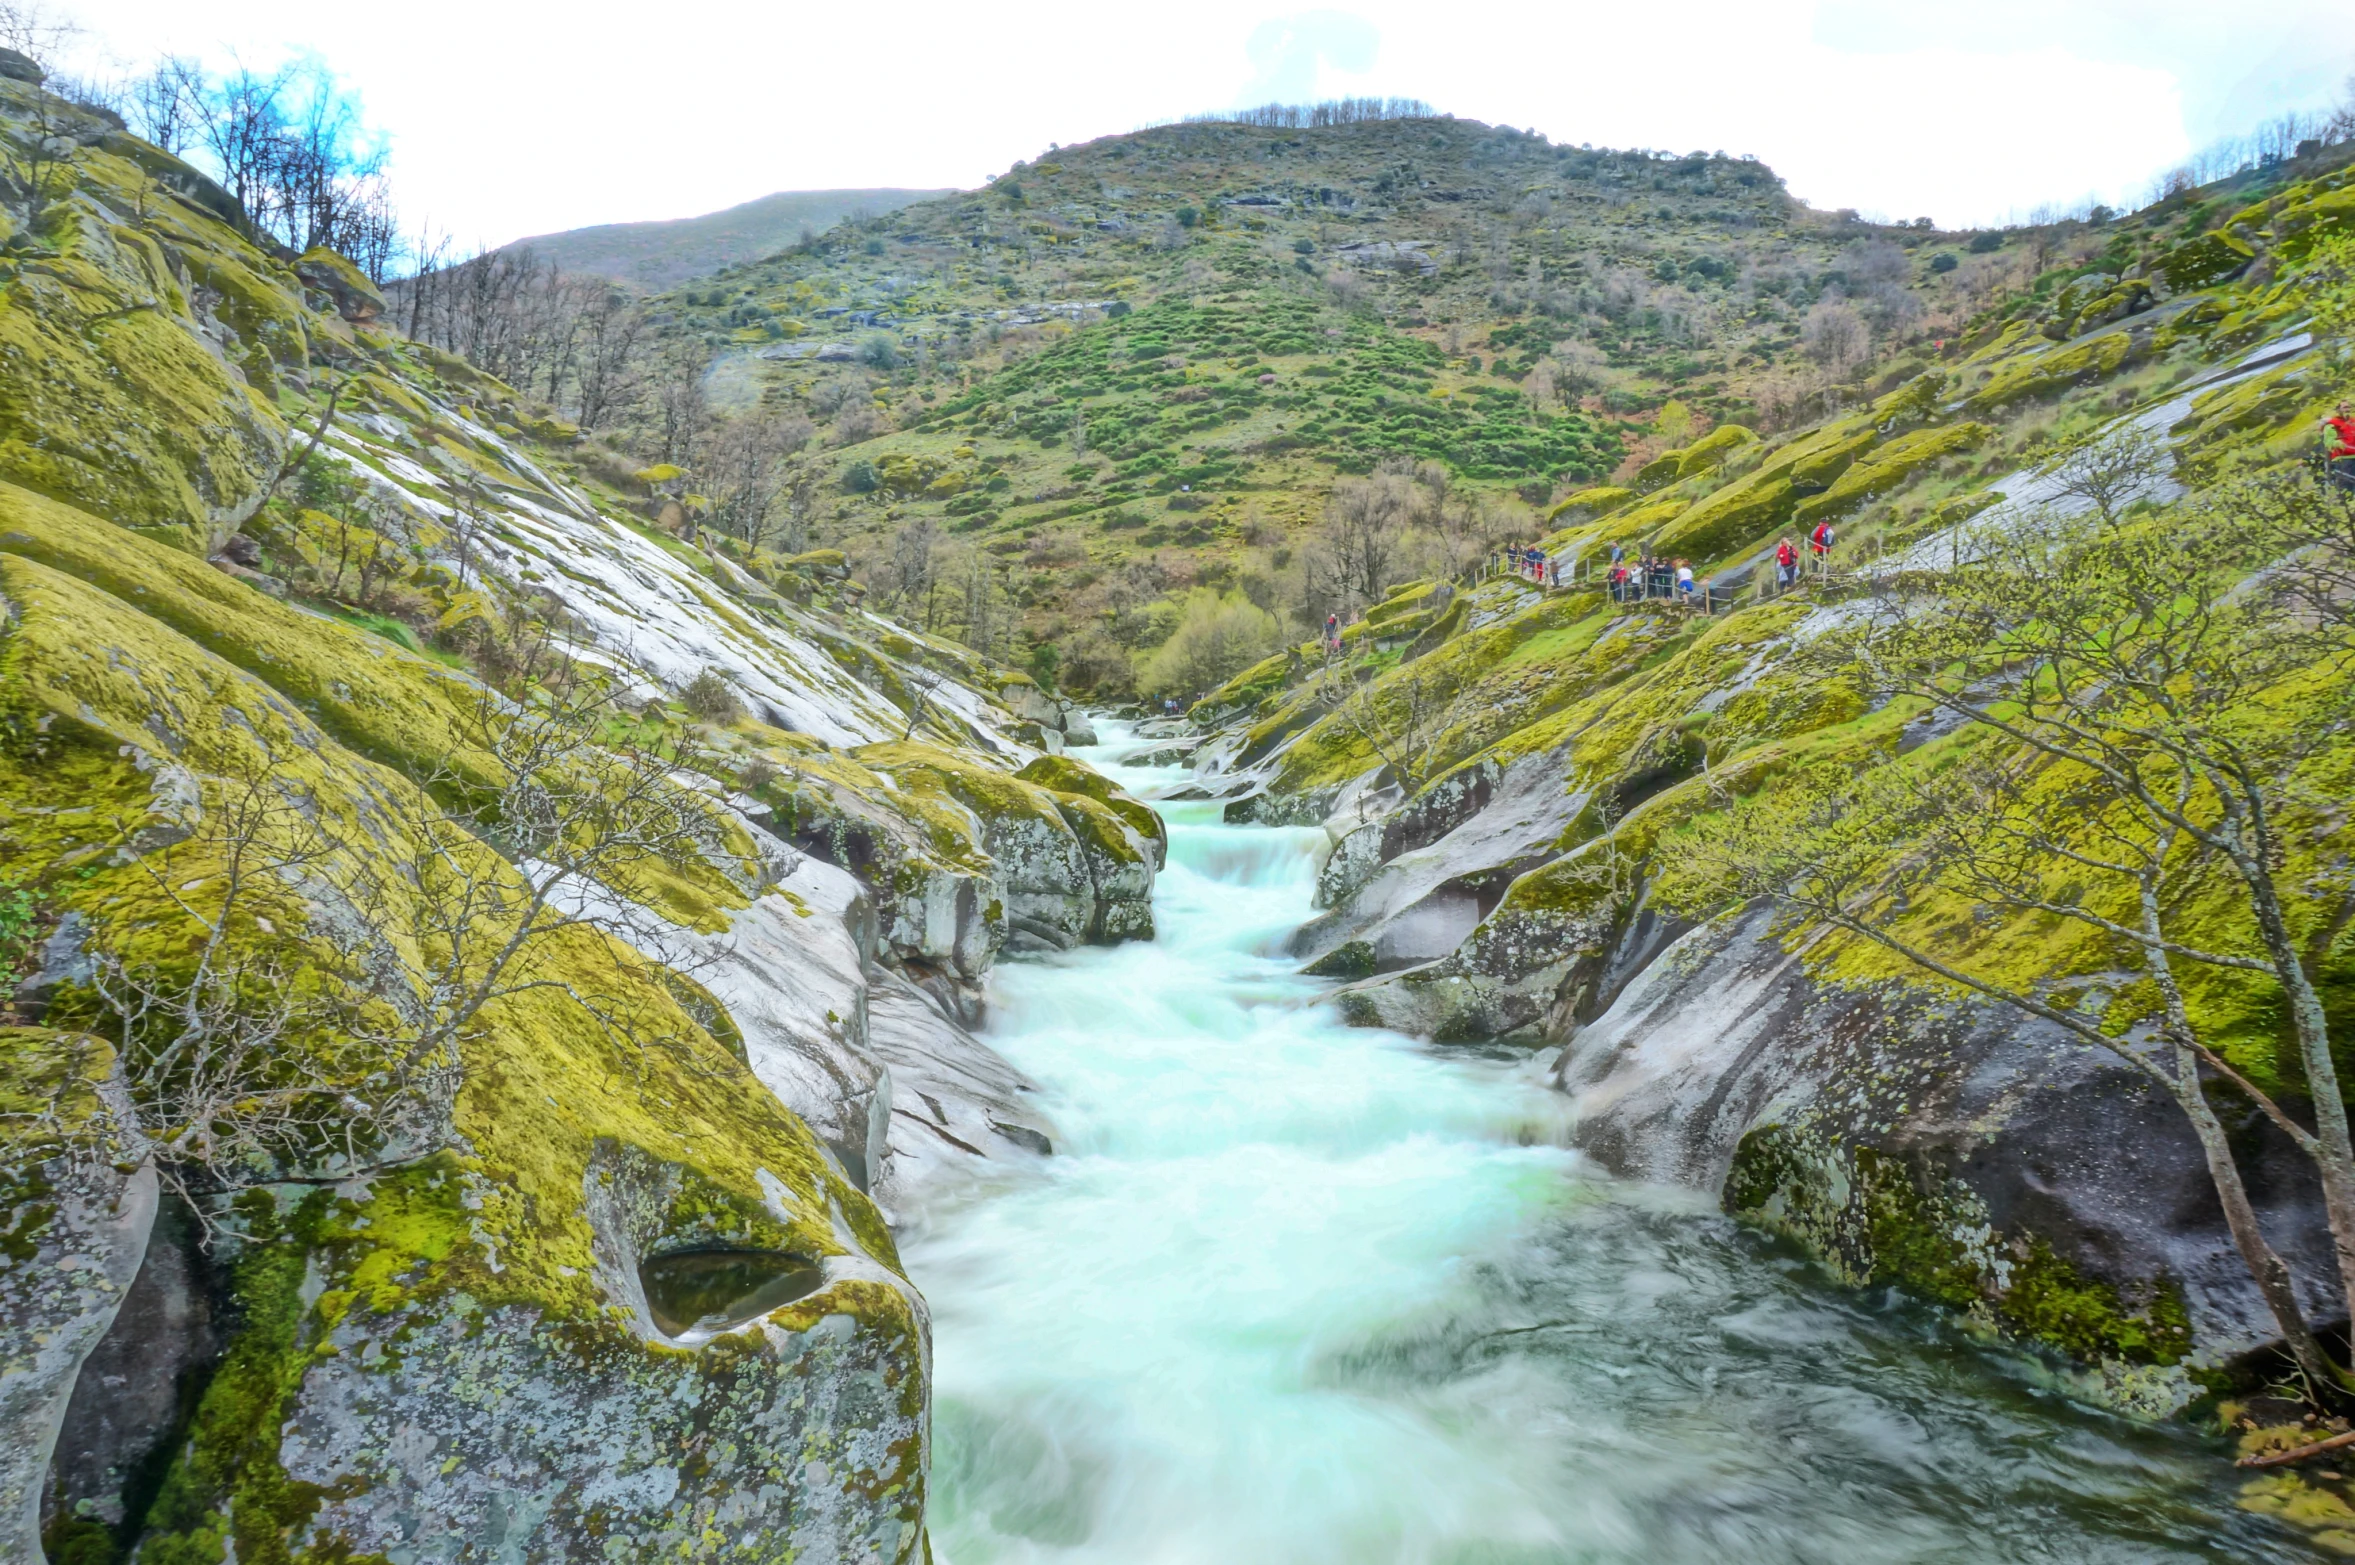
(80, 1200)
(1888, 466)
(119, 392)
(136, 721)
(1066, 867)
(457, 1428)
(344, 287)
(1973, 1155)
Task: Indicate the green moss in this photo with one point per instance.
(1734, 515)
(2055, 370)
(1351, 959)
(228, 1489)
(1064, 775)
(1876, 1219)
(1589, 504)
(1889, 466)
(111, 400)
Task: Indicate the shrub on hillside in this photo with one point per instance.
(1217, 637)
(709, 696)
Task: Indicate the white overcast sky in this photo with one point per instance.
(510, 119)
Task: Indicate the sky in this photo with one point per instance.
(509, 119)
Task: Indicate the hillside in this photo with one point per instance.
(1142, 365)
(658, 255)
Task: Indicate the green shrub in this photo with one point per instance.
(709, 696)
(1217, 637)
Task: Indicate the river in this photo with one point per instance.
(1293, 1291)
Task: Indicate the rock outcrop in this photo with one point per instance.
(81, 1201)
(602, 1273)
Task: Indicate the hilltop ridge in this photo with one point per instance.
(663, 252)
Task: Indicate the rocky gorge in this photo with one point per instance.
(509, 989)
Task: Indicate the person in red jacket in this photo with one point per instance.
(1786, 563)
(1819, 542)
(2339, 445)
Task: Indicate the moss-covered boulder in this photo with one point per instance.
(1888, 467)
(1065, 867)
(2057, 369)
(123, 391)
(2203, 262)
(1064, 775)
(499, 1254)
(341, 287)
(1585, 505)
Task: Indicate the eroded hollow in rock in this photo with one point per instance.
(715, 1290)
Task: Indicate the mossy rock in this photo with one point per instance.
(1822, 466)
(1064, 775)
(1733, 516)
(1590, 504)
(2303, 223)
(2203, 262)
(1878, 1218)
(1704, 455)
(1889, 466)
(1349, 960)
(111, 398)
(2055, 370)
(480, 1264)
(348, 291)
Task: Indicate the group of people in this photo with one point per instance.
(1531, 564)
(1657, 576)
(1650, 576)
(1787, 555)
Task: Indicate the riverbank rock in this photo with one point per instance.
(81, 1198)
(1970, 1155)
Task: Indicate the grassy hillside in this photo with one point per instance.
(1139, 367)
(659, 255)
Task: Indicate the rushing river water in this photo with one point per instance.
(1291, 1291)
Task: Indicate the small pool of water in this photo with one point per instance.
(713, 1290)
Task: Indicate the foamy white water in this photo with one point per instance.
(1291, 1291)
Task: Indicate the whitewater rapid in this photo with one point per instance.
(1292, 1291)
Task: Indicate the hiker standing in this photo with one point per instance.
(1332, 633)
(1684, 579)
(1819, 542)
(1786, 564)
(2339, 447)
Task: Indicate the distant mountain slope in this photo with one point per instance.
(657, 255)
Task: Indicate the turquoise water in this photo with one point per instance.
(1291, 1291)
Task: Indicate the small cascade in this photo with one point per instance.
(1292, 1291)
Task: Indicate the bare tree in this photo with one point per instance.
(36, 168)
(1399, 718)
(2108, 474)
(1365, 523)
(34, 30)
(912, 574)
(681, 412)
(923, 684)
(738, 465)
(1835, 335)
(606, 371)
(290, 1040)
